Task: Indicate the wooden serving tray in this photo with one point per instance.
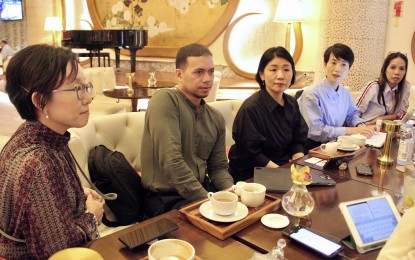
(222, 230)
(319, 153)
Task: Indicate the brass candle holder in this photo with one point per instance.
(390, 127)
(384, 170)
(130, 90)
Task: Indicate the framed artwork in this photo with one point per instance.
(171, 24)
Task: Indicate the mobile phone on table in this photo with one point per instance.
(364, 169)
(147, 233)
(313, 241)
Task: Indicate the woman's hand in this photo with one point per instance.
(94, 194)
(362, 129)
(296, 156)
(95, 206)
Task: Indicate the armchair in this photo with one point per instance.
(103, 78)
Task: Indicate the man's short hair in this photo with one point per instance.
(340, 50)
(4, 41)
(191, 50)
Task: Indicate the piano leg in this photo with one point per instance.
(90, 58)
(133, 58)
(117, 57)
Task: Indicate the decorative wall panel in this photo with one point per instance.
(360, 24)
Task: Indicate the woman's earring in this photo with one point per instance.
(263, 83)
(46, 115)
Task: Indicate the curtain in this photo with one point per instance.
(15, 33)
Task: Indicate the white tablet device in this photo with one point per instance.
(371, 221)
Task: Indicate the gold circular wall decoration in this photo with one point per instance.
(413, 47)
(251, 74)
(198, 23)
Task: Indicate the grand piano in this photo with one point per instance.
(96, 40)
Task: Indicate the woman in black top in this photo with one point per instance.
(268, 130)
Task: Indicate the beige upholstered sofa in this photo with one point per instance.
(123, 132)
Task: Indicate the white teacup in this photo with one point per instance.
(223, 203)
(238, 187)
(359, 139)
(329, 148)
(253, 194)
(171, 249)
(345, 141)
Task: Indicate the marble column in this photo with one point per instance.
(360, 24)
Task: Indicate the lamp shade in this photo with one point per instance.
(289, 11)
(53, 23)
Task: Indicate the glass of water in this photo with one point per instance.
(408, 198)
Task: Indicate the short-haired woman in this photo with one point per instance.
(43, 206)
(327, 106)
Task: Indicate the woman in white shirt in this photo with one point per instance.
(386, 98)
(401, 244)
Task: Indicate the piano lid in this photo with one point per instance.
(99, 39)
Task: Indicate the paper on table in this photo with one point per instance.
(377, 140)
(313, 160)
(321, 163)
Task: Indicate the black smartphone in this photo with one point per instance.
(364, 169)
(147, 233)
(312, 240)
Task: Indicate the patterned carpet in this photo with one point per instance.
(9, 118)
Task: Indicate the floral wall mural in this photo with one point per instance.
(170, 23)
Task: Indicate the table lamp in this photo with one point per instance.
(289, 11)
(390, 127)
(53, 23)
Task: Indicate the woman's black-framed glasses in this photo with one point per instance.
(80, 90)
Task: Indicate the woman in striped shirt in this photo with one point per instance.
(387, 97)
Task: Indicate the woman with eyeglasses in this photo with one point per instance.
(43, 206)
(386, 98)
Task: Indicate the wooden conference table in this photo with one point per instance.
(326, 218)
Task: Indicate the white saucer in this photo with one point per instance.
(206, 210)
(275, 220)
(349, 149)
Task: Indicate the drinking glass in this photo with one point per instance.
(408, 199)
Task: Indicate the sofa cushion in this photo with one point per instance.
(228, 109)
(101, 106)
(3, 140)
(121, 132)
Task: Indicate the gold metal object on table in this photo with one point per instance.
(384, 170)
(390, 127)
(152, 80)
(130, 90)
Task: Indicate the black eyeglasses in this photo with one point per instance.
(80, 90)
